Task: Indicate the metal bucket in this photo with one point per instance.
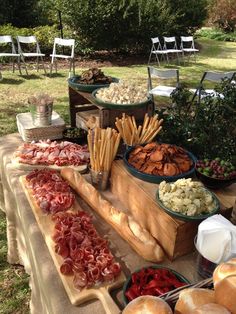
(41, 114)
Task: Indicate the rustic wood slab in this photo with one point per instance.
(175, 236)
(76, 297)
(26, 167)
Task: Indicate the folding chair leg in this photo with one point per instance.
(150, 56)
(37, 64)
(74, 67)
(178, 57)
(18, 65)
(157, 59)
(1, 78)
(24, 65)
(70, 68)
(43, 65)
(56, 64)
(167, 58)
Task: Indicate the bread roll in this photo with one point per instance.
(210, 308)
(147, 304)
(225, 293)
(191, 298)
(223, 270)
(139, 238)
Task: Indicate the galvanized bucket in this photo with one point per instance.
(41, 114)
(41, 110)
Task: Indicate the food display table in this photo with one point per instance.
(26, 245)
(82, 101)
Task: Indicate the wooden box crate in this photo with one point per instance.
(175, 236)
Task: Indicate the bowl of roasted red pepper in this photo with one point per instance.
(152, 280)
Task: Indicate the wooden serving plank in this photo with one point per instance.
(76, 297)
(26, 167)
(175, 236)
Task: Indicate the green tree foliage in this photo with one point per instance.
(223, 14)
(129, 24)
(18, 13)
(27, 13)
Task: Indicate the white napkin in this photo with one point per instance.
(216, 239)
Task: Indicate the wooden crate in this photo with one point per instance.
(82, 101)
(175, 236)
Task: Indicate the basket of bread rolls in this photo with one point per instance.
(216, 295)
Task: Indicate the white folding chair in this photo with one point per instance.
(31, 50)
(70, 43)
(156, 50)
(187, 46)
(9, 52)
(215, 77)
(162, 90)
(170, 46)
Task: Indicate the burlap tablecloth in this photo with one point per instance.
(27, 246)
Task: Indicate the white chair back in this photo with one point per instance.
(27, 40)
(64, 42)
(155, 40)
(217, 76)
(189, 42)
(170, 41)
(7, 39)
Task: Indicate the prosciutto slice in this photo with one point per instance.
(52, 153)
(86, 255)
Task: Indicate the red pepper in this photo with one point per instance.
(133, 292)
(151, 281)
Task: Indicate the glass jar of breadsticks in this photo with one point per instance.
(103, 145)
(133, 135)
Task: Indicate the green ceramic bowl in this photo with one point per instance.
(128, 282)
(119, 106)
(155, 178)
(189, 218)
(89, 88)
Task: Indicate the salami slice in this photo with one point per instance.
(51, 192)
(90, 260)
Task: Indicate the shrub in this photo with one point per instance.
(217, 34)
(207, 129)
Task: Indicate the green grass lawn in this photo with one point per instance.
(14, 92)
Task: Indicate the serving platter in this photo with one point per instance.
(155, 178)
(101, 292)
(190, 218)
(89, 88)
(104, 104)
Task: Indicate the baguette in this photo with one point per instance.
(139, 238)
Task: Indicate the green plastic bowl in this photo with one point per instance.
(119, 106)
(89, 88)
(128, 282)
(155, 178)
(189, 218)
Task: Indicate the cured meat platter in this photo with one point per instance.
(51, 154)
(76, 296)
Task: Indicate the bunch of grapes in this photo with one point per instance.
(216, 168)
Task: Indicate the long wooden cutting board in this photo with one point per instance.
(27, 167)
(76, 297)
